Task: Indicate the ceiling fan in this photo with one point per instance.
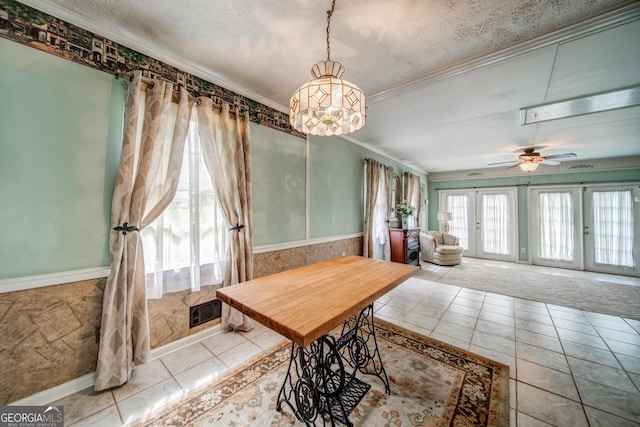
(530, 159)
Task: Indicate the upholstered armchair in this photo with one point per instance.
(440, 248)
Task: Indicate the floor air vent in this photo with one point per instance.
(205, 312)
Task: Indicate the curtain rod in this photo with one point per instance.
(149, 82)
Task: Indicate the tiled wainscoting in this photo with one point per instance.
(48, 334)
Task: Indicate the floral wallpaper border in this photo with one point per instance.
(30, 27)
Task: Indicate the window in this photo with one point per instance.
(186, 245)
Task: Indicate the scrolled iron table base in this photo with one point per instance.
(321, 383)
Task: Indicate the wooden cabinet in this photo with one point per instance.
(405, 245)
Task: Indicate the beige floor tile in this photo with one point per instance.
(186, 358)
(599, 418)
(453, 330)
(524, 420)
(550, 408)
(608, 399)
(224, 341)
(498, 329)
(592, 354)
(538, 340)
(85, 403)
(149, 400)
(201, 374)
(548, 379)
(143, 376)
(606, 375)
(107, 417)
(541, 356)
(494, 342)
(268, 339)
(238, 354)
(537, 327)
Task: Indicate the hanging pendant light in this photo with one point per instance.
(328, 105)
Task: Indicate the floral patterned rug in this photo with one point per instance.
(432, 384)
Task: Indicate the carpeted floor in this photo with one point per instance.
(584, 294)
(431, 384)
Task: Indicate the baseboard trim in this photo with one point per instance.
(51, 279)
(52, 394)
(58, 392)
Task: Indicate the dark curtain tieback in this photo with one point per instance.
(237, 228)
(126, 228)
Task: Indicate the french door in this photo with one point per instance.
(485, 221)
(612, 229)
(594, 228)
(555, 227)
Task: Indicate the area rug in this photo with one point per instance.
(432, 384)
(583, 294)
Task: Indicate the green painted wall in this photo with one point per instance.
(278, 182)
(523, 182)
(60, 136)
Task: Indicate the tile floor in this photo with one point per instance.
(567, 367)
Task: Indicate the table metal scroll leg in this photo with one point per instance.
(363, 347)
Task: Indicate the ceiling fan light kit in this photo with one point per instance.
(328, 105)
(530, 160)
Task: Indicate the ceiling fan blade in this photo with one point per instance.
(550, 162)
(560, 156)
(516, 165)
(502, 163)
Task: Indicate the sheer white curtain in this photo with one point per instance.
(381, 214)
(186, 246)
(556, 226)
(413, 195)
(496, 223)
(613, 227)
(457, 205)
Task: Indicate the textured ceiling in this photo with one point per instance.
(444, 79)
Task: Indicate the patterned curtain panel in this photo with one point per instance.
(377, 206)
(372, 171)
(145, 184)
(224, 140)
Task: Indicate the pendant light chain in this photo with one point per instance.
(329, 13)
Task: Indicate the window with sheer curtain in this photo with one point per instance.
(496, 223)
(556, 226)
(613, 227)
(186, 245)
(457, 204)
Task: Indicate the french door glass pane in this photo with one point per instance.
(613, 227)
(496, 224)
(457, 205)
(556, 226)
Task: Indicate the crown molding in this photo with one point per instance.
(612, 19)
